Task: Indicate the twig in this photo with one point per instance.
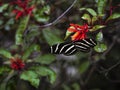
(58, 18)
(106, 72)
(109, 69)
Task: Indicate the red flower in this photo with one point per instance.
(17, 64)
(25, 10)
(79, 31)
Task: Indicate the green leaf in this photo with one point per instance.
(90, 10)
(29, 50)
(100, 48)
(45, 71)
(21, 29)
(68, 33)
(51, 37)
(32, 77)
(99, 37)
(101, 7)
(5, 53)
(3, 7)
(113, 16)
(84, 66)
(86, 17)
(96, 27)
(45, 59)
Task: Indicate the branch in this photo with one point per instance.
(58, 18)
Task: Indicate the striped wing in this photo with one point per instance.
(84, 45)
(70, 48)
(63, 48)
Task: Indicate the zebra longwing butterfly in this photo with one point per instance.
(69, 48)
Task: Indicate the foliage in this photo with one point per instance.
(29, 28)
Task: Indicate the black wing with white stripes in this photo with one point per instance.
(69, 48)
(63, 48)
(85, 45)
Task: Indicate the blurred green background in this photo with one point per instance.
(82, 71)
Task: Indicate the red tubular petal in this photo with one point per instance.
(80, 31)
(19, 14)
(17, 64)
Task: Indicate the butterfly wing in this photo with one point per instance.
(69, 48)
(63, 48)
(84, 45)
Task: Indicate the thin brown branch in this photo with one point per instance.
(58, 18)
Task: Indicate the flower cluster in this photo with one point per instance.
(17, 64)
(24, 8)
(79, 31)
